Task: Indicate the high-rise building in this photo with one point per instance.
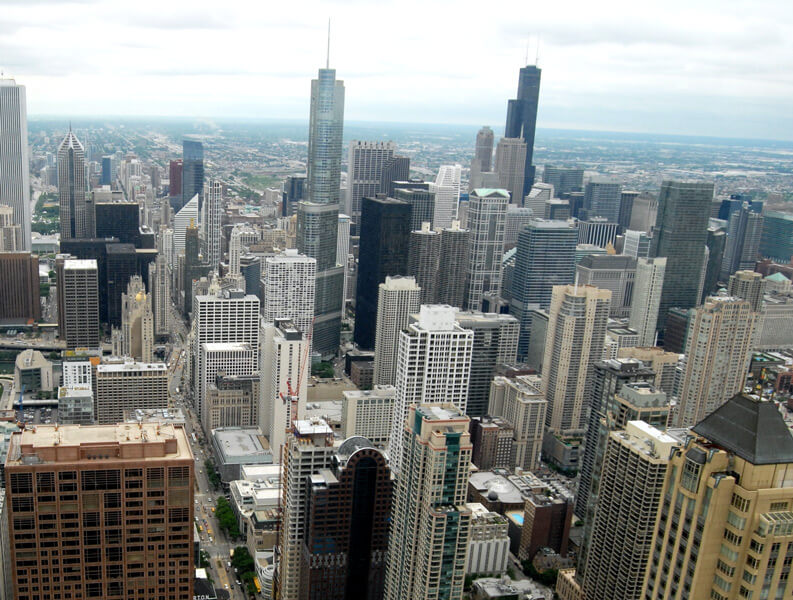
(175, 181)
(635, 463)
(399, 297)
(487, 209)
(564, 180)
(647, 298)
(232, 401)
(75, 220)
(137, 322)
(423, 261)
(284, 374)
(716, 243)
(453, 265)
(664, 364)
(522, 118)
(545, 258)
(192, 172)
(241, 237)
(19, 294)
(446, 190)
(523, 405)
(602, 199)
(433, 365)
(598, 231)
(626, 208)
(117, 219)
(78, 302)
(492, 439)
(14, 170)
(430, 525)
(723, 478)
(77, 474)
(288, 289)
(516, 219)
(364, 171)
(510, 166)
(186, 217)
(227, 359)
(495, 342)
(749, 286)
(385, 236)
(613, 272)
(484, 148)
(680, 235)
(368, 413)
(160, 289)
(294, 192)
(777, 237)
(422, 205)
(10, 233)
(636, 244)
(213, 211)
(343, 253)
(396, 168)
(221, 317)
(742, 249)
(577, 322)
(718, 351)
(126, 384)
(326, 125)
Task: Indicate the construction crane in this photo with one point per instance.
(293, 395)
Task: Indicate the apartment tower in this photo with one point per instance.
(399, 297)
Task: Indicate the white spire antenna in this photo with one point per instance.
(528, 41)
(327, 56)
(537, 56)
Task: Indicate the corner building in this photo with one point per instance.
(101, 512)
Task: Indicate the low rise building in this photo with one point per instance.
(75, 405)
(368, 413)
(254, 499)
(493, 440)
(32, 371)
(234, 447)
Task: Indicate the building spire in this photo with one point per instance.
(327, 56)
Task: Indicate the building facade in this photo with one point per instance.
(399, 297)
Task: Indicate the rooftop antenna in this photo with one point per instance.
(537, 56)
(327, 56)
(528, 41)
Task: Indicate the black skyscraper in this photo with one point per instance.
(119, 220)
(192, 171)
(385, 236)
(522, 117)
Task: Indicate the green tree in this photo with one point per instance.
(212, 473)
(226, 518)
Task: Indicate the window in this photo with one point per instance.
(725, 568)
(732, 538)
(736, 521)
(779, 506)
(742, 504)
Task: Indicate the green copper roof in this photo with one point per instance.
(778, 277)
(483, 192)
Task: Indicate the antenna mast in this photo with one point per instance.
(327, 56)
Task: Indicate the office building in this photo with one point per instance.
(495, 343)
(288, 289)
(483, 151)
(211, 221)
(742, 249)
(241, 237)
(192, 172)
(14, 170)
(452, 265)
(777, 238)
(78, 302)
(368, 413)
(422, 205)
(635, 463)
(446, 195)
(77, 373)
(488, 548)
(137, 322)
(430, 524)
(718, 351)
(598, 231)
(721, 479)
(294, 191)
(221, 317)
(77, 474)
(510, 165)
(19, 294)
(186, 217)
(225, 406)
(117, 219)
(32, 371)
(564, 180)
(776, 331)
(121, 263)
(76, 220)
(396, 168)
(326, 125)
(646, 299)
(175, 181)
(160, 288)
(516, 219)
(716, 244)
(602, 199)
(433, 365)
(749, 286)
(487, 210)
(626, 208)
(680, 235)
(364, 171)
(75, 406)
(521, 403)
(423, 261)
(522, 118)
(125, 384)
(492, 439)
(545, 258)
(343, 255)
(776, 284)
(636, 244)
(383, 251)
(398, 298)
(557, 210)
(10, 233)
(613, 272)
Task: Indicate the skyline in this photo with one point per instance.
(689, 70)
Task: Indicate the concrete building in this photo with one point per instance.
(423, 261)
(488, 548)
(742, 249)
(602, 199)
(484, 148)
(369, 414)
(486, 213)
(86, 468)
(211, 221)
(431, 526)
(433, 365)
(234, 447)
(777, 284)
(446, 190)
(516, 219)
(32, 371)
(126, 385)
(646, 301)
(19, 294)
(10, 233)
(399, 297)
(610, 272)
(227, 359)
(749, 286)
(77, 373)
(718, 351)
(78, 302)
(598, 231)
(776, 330)
(636, 244)
(510, 162)
(492, 439)
(137, 322)
(664, 365)
(233, 401)
(523, 405)
(288, 289)
(564, 180)
(14, 161)
(453, 265)
(76, 214)
(186, 217)
(537, 196)
(160, 289)
(364, 171)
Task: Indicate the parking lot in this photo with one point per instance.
(38, 416)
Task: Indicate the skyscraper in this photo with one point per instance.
(78, 302)
(422, 205)
(423, 260)
(484, 148)
(718, 351)
(487, 209)
(716, 244)
(522, 404)
(626, 208)
(453, 265)
(522, 118)
(430, 524)
(742, 250)
(602, 199)
(680, 235)
(137, 322)
(383, 251)
(289, 288)
(396, 168)
(213, 212)
(399, 297)
(749, 286)
(160, 287)
(647, 298)
(433, 365)
(364, 171)
(74, 218)
(227, 359)
(19, 294)
(175, 182)
(77, 474)
(14, 170)
(510, 166)
(326, 125)
(126, 384)
(10, 232)
(564, 180)
(186, 217)
(446, 190)
(777, 238)
(613, 272)
(192, 172)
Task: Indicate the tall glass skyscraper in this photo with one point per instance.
(522, 118)
(192, 171)
(14, 171)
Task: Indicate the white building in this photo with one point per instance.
(516, 219)
(14, 170)
(398, 298)
(647, 298)
(538, 195)
(126, 385)
(76, 373)
(76, 220)
(433, 366)
(447, 195)
(288, 288)
(160, 286)
(137, 322)
(187, 216)
(211, 221)
(368, 413)
(342, 254)
(241, 236)
(488, 546)
(487, 209)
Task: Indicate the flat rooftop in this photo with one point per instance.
(240, 442)
(130, 366)
(79, 264)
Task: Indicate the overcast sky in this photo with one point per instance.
(703, 67)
